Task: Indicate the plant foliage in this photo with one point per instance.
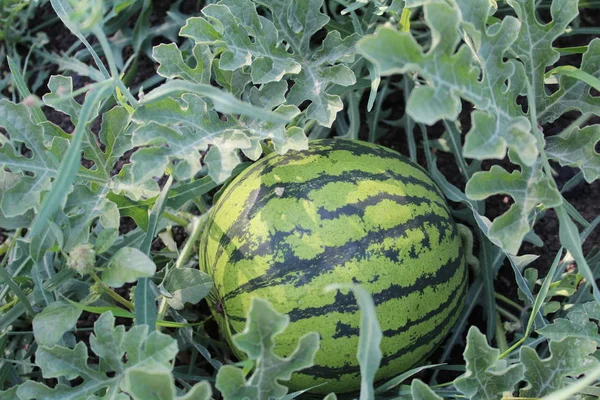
(108, 171)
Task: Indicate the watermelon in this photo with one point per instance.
(340, 212)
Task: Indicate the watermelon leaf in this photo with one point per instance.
(46, 144)
(529, 188)
(245, 38)
(476, 72)
(172, 64)
(257, 340)
(486, 377)
(127, 357)
(31, 175)
(574, 94)
(85, 207)
(571, 356)
(50, 325)
(245, 53)
(578, 324)
(198, 126)
(33, 156)
(499, 123)
(420, 391)
(115, 132)
(11, 394)
(126, 266)
(186, 285)
(575, 148)
(490, 63)
(141, 384)
(534, 48)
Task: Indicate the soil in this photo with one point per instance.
(583, 197)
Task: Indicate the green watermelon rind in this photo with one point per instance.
(256, 224)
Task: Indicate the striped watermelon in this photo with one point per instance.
(340, 212)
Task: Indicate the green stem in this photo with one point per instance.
(201, 205)
(538, 135)
(9, 305)
(178, 220)
(500, 334)
(309, 125)
(106, 49)
(184, 256)
(509, 302)
(513, 347)
(5, 276)
(507, 314)
(9, 249)
(188, 248)
(111, 293)
(442, 385)
(162, 310)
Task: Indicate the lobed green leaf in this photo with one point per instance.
(122, 355)
(257, 340)
(486, 377)
(576, 148)
(245, 38)
(571, 356)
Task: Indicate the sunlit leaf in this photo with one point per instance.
(186, 285)
(576, 148)
(118, 351)
(257, 340)
(578, 324)
(127, 265)
(247, 38)
(569, 357)
(50, 325)
(484, 79)
(529, 188)
(487, 377)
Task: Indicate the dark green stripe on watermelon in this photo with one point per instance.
(345, 330)
(347, 302)
(286, 272)
(335, 372)
(316, 149)
(257, 201)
